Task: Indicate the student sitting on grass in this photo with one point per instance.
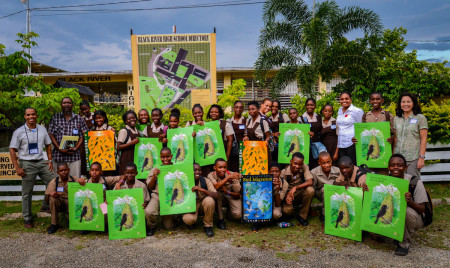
(229, 189)
(300, 190)
(280, 187)
(206, 195)
(129, 181)
(58, 195)
(325, 173)
(416, 202)
(152, 184)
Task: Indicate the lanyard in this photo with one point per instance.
(37, 134)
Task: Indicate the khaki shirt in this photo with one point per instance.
(420, 194)
(210, 187)
(153, 128)
(361, 181)
(110, 180)
(104, 127)
(149, 178)
(408, 135)
(233, 120)
(123, 134)
(297, 179)
(283, 189)
(276, 118)
(228, 128)
(258, 131)
(138, 184)
(189, 123)
(232, 186)
(52, 187)
(320, 178)
(370, 118)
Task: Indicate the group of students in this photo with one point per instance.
(296, 184)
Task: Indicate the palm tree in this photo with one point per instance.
(300, 42)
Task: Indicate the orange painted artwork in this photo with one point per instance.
(100, 148)
(254, 158)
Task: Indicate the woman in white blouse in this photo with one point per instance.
(348, 115)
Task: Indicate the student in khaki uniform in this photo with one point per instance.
(152, 184)
(378, 114)
(58, 195)
(206, 195)
(350, 176)
(325, 173)
(416, 202)
(280, 187)
(128, 181)
(300, 190)
(229, 189)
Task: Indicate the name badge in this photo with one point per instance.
(241, 126)
(413, 121)
(75, 131)
(310, 125)
(60, 189)
(33, 148)
(104, 187)
(333, 126)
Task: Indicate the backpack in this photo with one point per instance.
(280, 118)
(272, 143)
(203, 183)
(119, 153)
(105, 184)
(363, 170)
(427, 216)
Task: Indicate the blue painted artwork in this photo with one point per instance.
(257, 200)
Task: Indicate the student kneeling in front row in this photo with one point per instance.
(206, 195)
(229, 190)
(416, 202)
(300, 190)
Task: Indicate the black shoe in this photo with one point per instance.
(302, 221)
(221, 225)
(401, 251)
(192, 227)
(52, 229)
(209, 231)
(256, 226)
(84, 232)
(321, 218)
(150, 231)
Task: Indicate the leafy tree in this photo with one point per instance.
(395, 71)
(232, 93)
(299, 41)
(13, 84)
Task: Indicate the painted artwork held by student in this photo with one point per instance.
(100, 148)
(84, 207)
(181, 144)
(146, 156)
(372, 147)
(253, 159)
(208, 143)
(257, 201)
(293, 138)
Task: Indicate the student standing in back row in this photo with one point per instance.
(156, 129)
(378, 114)
(127, 139)
(277, 117)
(315, 122)
(348, 115)
(238, 122)
(328, 135)
(257, 128)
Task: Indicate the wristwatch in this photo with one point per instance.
(422, 156)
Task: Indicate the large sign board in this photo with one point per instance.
(173, 69)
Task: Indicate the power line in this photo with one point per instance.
(18, 12)
(429, 41)
(91, 5)
(93, 11)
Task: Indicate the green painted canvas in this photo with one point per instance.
(84, 207)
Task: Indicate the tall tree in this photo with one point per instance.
(299, 40)
(14, 84)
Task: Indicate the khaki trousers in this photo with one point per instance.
(32, 169)
(205, 207)
(320, 195)
(234, 206)
(413, 222)
(276, 212)
(303, 197)
(152, 213)
(58, 205)
(75, 168)
(412, 168)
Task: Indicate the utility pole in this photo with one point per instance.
(28, 29)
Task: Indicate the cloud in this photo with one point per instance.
(88, 57)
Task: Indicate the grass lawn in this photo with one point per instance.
(287, 243)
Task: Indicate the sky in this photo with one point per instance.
(101, 42)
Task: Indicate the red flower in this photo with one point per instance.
(346, 115)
